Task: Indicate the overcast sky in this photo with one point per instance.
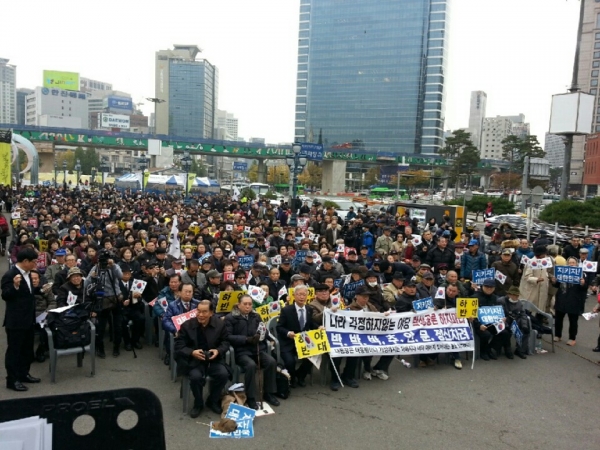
(518, 51)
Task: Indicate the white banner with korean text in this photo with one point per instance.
(359, 333)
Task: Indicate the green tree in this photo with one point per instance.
(572, 213)
(253, 172)
(372, 176)
(247, 193)
(311, 175)
(198, 168)
(514, 151)
(68, 156)
(463, 154)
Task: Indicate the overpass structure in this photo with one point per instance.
(334, 161)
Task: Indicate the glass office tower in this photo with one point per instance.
(371, 74)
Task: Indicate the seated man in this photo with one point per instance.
(200, 348)
(449, 301)
(490, 342)
(513, 311)
(183, 304)
(132, 309)
(242, 326)
(295, 319)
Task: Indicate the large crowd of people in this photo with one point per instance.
(65, 246)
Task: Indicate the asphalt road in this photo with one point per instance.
(545, 402)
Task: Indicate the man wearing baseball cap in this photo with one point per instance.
(472, 260)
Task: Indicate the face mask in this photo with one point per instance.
(372, 283)
(512, 301)
(251, 245)
(227, 249)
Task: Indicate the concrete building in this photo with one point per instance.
(476, 116)
(189, 89)
(57, 104)
(591, 170)
(8, 92)
(90, 86)
(227, 126)
(496, 129)
(257, 140)
(22, 94)
(587, 81)
(109, 101)
(554, 146)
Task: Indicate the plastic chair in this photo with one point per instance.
(79, 351)
(534, 309)
(161, 340)
(172, 362)
(272, 328)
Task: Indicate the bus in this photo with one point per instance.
(388, 193)
(260, 188)
(285, 188)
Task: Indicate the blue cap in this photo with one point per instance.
(473, 242)
(489, 282)
(60, 252)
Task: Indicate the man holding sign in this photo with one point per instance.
(185, 303)
(250, 347)
(489, 339)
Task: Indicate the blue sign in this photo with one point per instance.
(479, 276)
(120, 103)
(244, 417)
(423, 304)
(238, 412)
(568, 274)
(516, 332)
(299, 257)
(488, 315)
(350, 289)
(312, 152)
(203, 257)
(338, 283)
(240, 166)
(246, 262)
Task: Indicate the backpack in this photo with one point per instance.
(3, 224)
(70, 328)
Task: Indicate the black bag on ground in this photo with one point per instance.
(70, 328)
(282, 380)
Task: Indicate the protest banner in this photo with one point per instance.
(310, 298)
(227, 300)
(488, 315)
(479, 276)
(246, 262)
(43, 243)
(350, 288)
(303, 223)
(311, 343)
(338, 283)
(299, 258)
(243, 417)
(194, 229)
(423, 304)
(590, 266)
(568, 274)
(182, 318)
(121, 224)
(204, 257)
(32, 222)
(359, 333)
(466, 307)
(228, 276)
(348, 250)
(270, 310)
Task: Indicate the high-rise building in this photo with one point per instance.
(188, 88)
(22, 94)
(496, 129)
(51, 107)
(88, 85)
(371, 74)
(554, 146)
(587, 81)
(476, 116)
(8, 92)
(227, 126)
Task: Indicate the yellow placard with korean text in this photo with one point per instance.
(5, 164)
(227, 300)
(43, 244)
(267, 312)
(194, 229)
(466, 308)
(121, 224)
(310, 298)
(311, 343)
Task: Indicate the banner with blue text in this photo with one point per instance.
(359, 333)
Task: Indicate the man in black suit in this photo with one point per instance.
(200, 348)
(295, 319)
(19, 320)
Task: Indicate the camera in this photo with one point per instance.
(103, 257)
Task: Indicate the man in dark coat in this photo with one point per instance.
(295, 319)
(19, 320)
(200, 348)
(441, 254)
(245, 337)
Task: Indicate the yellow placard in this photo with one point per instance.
(194, 229)
(311, 343)
(245, 242)
(43, 244)
(15, 222)
(190, 181)
(145, 178)
(5, 164)
(310, 298)
(269, 310)
(227, 300)
(466, 308)
(121, 224)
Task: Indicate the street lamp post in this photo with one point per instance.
(296, 164)
(143, 161)
(104, 168)
(93, 173)
(65, 173)
(156, 101)
(55, 174)
(78, 170)
(186, 164)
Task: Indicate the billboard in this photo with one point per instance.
(69, 81)
(115, 102)
(106, 120)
